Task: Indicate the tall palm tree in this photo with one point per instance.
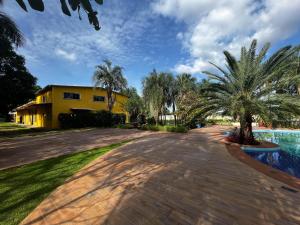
(247, 89)
(186, 82)
(111, 78)
(292, 78)
(187, 91)
(9, 30)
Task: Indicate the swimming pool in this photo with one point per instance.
(287, 158)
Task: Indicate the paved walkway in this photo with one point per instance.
(169, 179)
(26, 149)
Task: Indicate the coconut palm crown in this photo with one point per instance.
(246, 90)
(111, 78)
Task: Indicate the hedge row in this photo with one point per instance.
(101, 118)
(178, 129)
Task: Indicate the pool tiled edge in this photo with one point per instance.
(258, 149)
(236, 151)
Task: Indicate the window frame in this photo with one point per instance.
(95, 96)
(71, 98)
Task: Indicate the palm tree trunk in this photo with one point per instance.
(109, 100)
(249, 131)
(242, 131)
(246, 132)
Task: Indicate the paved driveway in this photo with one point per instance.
(162, 179)
(22, 150)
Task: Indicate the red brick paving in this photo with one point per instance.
(26, 149)
(169, 179)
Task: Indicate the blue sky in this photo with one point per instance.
(169, 35)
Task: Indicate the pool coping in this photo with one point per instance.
(260, 149)
(236, 151)
(276, 131)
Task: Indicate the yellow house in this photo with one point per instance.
(55, 99)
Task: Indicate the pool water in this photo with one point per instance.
(287, 158)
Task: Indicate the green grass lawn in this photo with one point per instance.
(7, 126)
(8, 129)
(23, 188)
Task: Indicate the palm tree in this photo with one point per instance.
(246, 90)
(187, 91)
(292, 78)
(110, 78)
(9, 30)
(186, 82)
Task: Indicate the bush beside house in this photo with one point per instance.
(101, 118)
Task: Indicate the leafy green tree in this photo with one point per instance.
(111, 78)
(247, 89)
(134, 105)
(153, 94)
(172, 91)
(9, 31)
(75, 5)
(17, 85)
(165, 83)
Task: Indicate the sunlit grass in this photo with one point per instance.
(23, 188)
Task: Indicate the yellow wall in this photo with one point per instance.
(61, 105)
(44, 97)
(47, 114)
(39, 115)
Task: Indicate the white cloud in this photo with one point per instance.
(51, 34)
(69, 56)
(214, 26)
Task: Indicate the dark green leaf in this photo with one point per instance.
(87, 5)
(65, 8)
(37, 5)
(79, 12)
(94, 20)
(22, 4)
(100, 2)
(75, 4)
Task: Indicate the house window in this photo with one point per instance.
(44, 99)
(69, 95)
(99, 98)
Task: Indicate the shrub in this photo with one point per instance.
(119, 118)
(151, 121)
(75, 120)
(288, 123)
(224, 122)
(141, 119)
(126, 126)
(101, 118)
(149, 127)
(178, 129)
